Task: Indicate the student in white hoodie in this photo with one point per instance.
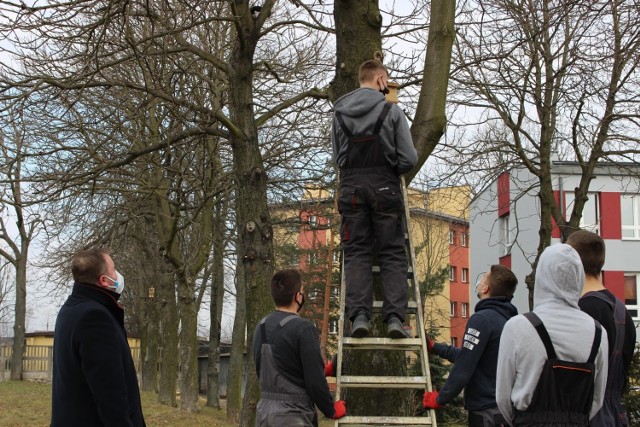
(522, 355)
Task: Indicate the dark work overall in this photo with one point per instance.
(612, 413)
(371, 206)
(564, 393)
(281, 403)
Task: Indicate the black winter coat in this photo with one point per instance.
(94, 378)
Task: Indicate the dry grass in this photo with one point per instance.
(28, 404)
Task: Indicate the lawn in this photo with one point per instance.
(28, 404)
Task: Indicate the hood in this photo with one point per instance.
(359, 102)
(559, 277)
(500, 304)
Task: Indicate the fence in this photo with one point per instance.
(38, 362)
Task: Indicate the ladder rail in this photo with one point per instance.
(420, 323)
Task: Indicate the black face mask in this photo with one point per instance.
(384, 90)
(300, 304)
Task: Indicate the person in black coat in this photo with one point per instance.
(94, 378)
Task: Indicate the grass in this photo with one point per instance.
(28, 404)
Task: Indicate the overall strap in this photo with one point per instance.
(379, 121)
(344, 127)
(542, 332)
(263, 330)
(619, 317)
(382, 117)
(596, 342)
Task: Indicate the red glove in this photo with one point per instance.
(328, 369)
(340, 408)
(430, 343)
(429, 400)
(330, 366)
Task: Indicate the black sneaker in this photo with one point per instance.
(360, 326)
(394, 328)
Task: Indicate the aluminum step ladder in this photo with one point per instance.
(417, 345)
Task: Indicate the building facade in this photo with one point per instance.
(505, 219)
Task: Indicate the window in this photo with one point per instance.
(630, 210)
(313, 221)
(313, 295)
(452, 309)
(454, 341)
(452, 274)
(336, 257)
(631, 282)
(505, 234)
(465, 275)
(335, 292)
(333, 326)
(465, 309)
(452, 237)
(463, 238)
(590, 215)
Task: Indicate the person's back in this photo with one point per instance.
(612, 314)
(372, 146)
(522, 355)
(288, 362)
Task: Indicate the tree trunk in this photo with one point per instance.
(20, 315)
(169, 339)
(358, 39)
(217, 300)
(188, 343)
(255, 233)
(151, 342)
(236, 359)
(430, 120)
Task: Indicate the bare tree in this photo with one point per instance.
(549, 77)
(14, 143)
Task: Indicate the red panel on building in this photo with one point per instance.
(504, 195)
(555, 230)
(610, 219)
(506, 261)
(614, 282)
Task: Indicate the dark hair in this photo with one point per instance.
(284, 285)
(87, 266)
(591, 249)
(368, 70)
(503, 281)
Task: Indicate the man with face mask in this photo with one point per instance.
(94, 378)
(372, 146)
(288, 360)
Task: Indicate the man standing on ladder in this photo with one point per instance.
(372, 146)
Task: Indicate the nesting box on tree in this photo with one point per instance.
(392, 96)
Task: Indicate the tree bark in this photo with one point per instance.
(20, 314)
(169, 338)
(188, 343)
(430, 120)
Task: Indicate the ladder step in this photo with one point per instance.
(387, 421)
(407, 344)
(382, 382)
(375, 269)
(412, 306)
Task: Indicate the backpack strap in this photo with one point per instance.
(596, 342)
(619, 319)
(382, 117)
(542, 333)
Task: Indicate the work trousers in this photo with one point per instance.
(371, 206)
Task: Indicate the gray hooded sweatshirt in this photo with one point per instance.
(559, 281)
(360, 110)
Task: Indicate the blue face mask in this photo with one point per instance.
(118, 283)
